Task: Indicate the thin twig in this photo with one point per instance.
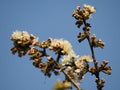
(58, 57)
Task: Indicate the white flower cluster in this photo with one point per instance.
(80, 63)
(19, 35)
(78, 60)
(64, 47)
(60, 44)
(67, 59)
(89, 8)
(23, 36)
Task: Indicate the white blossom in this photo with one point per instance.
(67, 59)
(17, 35)
(62, 44)
(80, 61)
(68, 69)
(66, 49)
(86, 58)
(25, 35)
(77, 71)
(20, 35)
(86, 14)
(89, 8)
(35, 41)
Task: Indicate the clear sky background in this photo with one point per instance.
(53, 18)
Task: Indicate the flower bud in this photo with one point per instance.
(109, 68)
(13, 50)
(96, 80)
(103, 80)
(93, 37)
(104, 63)
(92, 70)
(107, 72)
(78, 8)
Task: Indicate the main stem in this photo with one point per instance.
(94, 60)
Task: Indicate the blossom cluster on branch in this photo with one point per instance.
(65, 60)
(73, 64)
(83, 14)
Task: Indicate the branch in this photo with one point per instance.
(71, 80)
(58, 57)
(94, 60)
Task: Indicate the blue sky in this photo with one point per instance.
(53, 18)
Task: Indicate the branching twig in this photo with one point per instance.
(94, 60)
